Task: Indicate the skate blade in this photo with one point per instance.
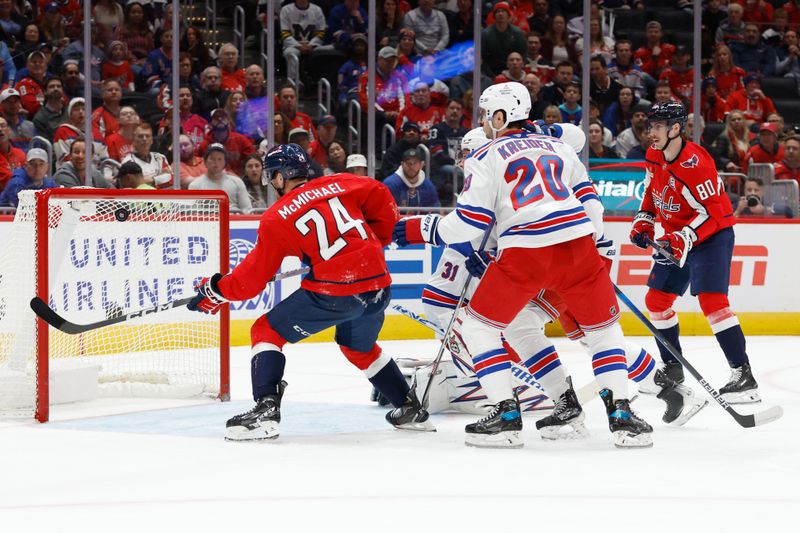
(687, 415)
(504, 439)
(427, 425)
(260, 433)
(624, 439)
(575, 430)
(648, 391)
(744, 397)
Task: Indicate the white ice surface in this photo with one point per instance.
(162, 465)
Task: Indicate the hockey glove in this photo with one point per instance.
(417, 230)
(208, 299)
(541, 128)
(644, 227)
(607, 250)
(679, 244)
(478, 262)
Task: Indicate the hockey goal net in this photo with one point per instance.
(94, 254)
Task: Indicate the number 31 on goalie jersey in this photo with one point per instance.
(343, 223)
(533, 179)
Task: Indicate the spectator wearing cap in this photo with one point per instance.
(712, 106)
(753, 55)
(53, 113)
(131, 176)
(72, 173)
(731, 29)
(789, 167)
(444, 143)
(192, 165)
(303, 29)
(625, 70)
(8, 70)
(346, 20)
(69, 130)
(420, 109)
(301, 138)
(410, 137)
(154, 165)
(680, 74)
(751, 100)
(237, 146)
(255, 84)
(11, 158)
(389, 88)
(117, 65)
(22, 130)
(500, 39)
(120, 143)
(655, 55)
(326, 133)
(515, 69)
(211, 96)
(32, 176)
(629, 137)
(233, 77)
(460, 23)
(356, 164)
(31, 87)
(105, 119)
(287, 104)
(430, 26)
(216, 179)
(351, 71)
(603, 88)
(408, 184)
(767, 149)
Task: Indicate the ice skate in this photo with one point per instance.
(411, 415)
(627, 429)
(499, 429)
(259, 423)
(741, 387)
(682, 402)
(566, 420)
(672, 369)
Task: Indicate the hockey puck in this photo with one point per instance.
(122, 214)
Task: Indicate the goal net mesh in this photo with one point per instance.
(107, 256)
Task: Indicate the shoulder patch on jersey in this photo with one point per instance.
(692, 162)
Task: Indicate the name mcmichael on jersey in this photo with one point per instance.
(306, 196)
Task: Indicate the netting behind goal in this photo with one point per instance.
(95, 254)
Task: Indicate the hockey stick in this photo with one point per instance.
(585, 394)
(758, 419)
(663, 252)
(46, 313)
(435, 365)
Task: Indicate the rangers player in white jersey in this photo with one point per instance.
(526, 185)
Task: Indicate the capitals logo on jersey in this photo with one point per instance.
(665, 202)
(692, 162)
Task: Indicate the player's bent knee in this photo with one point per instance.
(263, 337)
(526, 332)
(605, 339)
(659, 301)
(711, 302)
(370, 362)
(479, 337)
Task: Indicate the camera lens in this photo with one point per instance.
(753, 200)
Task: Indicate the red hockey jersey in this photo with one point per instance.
(687, 192)
(338, 225)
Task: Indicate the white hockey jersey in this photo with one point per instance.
(532, 186)
(302, 25)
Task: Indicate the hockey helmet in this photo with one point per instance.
(669, 112)
(474, 139)
(288, 159)
(511, 97)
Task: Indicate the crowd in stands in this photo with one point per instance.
(638, 52)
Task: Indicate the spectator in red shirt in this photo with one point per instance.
(420, 109)
(31, 87)
(751, 100)
(135, 33)
(192, 125)
(789, 167)
(233, 78)
(514, 71)
(11, 158)
(729, 77)
(792, 8)
(767, 149)
(287, 104)
(680, 74)
(654, 56)
(117, 65)
(389, 88)
(70, 130)
(120, 143)
(712, 105)
(758, 11)
(535, 62)
(326, 128)
(237, 146)
(105, 119)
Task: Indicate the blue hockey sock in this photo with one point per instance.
(671, 335)
(391, 383)
(732, 342)
(266, 372)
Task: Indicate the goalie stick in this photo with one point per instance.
(585, 394)
(46, 313)
(747, 421)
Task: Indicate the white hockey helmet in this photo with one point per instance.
(511, 97)
(474, 139)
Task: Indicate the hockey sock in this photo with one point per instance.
(662, 316)
(725, 327)
(391, 383)
(640, 363)
(266, 372)
(493, 369)
(608, 359)
(546, 368)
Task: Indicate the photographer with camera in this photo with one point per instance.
(752, 203)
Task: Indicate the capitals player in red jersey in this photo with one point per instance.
(685, 191)
(338, 226)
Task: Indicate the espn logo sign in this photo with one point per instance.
(748, 266)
